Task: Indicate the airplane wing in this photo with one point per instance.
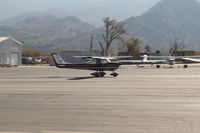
(103, 58)
(175, 57)
(192, 60)
(140, 62)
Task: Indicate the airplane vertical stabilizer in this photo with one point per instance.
(58, 60)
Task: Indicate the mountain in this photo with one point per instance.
(90, 11)
(46, 32)
(59, 13)
(168, 19)
(159, 26)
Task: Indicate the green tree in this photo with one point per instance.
(132, 46)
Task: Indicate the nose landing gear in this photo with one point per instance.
(114, 74)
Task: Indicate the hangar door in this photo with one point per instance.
(14, 59)
(1, 59)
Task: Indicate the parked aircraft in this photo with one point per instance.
(145, 59)
(34, 60)
(171, 60)
(98, 64)
(191, 60)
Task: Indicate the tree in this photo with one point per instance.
(113, 31)
(32, 53)
(158, 52)
(177, 46)
(148, 49)
(132, 45)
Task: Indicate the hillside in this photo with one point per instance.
(59, 13)
(46, 32)
(167, 20)
(158, 27)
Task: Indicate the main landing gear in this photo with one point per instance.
(102, 74)
(98, 74)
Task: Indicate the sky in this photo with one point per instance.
(84, 9)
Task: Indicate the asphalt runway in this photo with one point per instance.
(140, 100)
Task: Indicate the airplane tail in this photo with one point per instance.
(58, 60)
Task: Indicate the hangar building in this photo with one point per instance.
(10, 51)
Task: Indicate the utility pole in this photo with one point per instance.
(91, 42)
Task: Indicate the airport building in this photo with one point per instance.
(10, 52)
(68, 56)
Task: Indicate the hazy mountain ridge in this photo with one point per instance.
(46, 31)
(176, 18)
(58, 13)
(158, 27)
(90, 11)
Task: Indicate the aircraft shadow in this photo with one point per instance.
(88, 77)
(82, 78)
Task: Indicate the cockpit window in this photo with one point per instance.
(98, 61)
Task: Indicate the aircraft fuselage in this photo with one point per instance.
(95, 67)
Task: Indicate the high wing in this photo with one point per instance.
(144, 60)
(108, 58)
(98, 64)
(140, 62)
(175, 57)
(192, 60)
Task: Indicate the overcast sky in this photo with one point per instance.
(115, 8)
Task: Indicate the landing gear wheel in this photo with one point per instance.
(114, 74)
(185, 66)
(157, 66)
(98, 74)
(102, 74)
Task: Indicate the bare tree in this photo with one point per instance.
(148, 49)
(113, 31)
(102, 48)
(177, 46)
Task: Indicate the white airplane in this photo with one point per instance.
(95, 63)
(192, 60)
(170, 60)
(144, 60)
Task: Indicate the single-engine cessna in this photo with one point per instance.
(98, 64)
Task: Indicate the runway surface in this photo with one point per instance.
(140, 100)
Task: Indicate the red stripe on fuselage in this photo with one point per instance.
(98, 67)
